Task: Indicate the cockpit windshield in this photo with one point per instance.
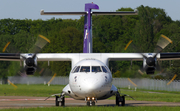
(85, 69)
(96, 69)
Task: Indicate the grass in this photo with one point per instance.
(141, 108)
(39, 90)
(160, 91)
(151, 96)
(45, 91)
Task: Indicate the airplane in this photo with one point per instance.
(90, 78)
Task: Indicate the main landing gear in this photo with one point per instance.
(60, 99)
(90, 101)
(120, 99)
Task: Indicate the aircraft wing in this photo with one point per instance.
(76, 57)
(139, 57)
(170, 56)
(9, 57)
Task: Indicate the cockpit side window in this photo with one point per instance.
(85, 69)
(96, 69)
(77, 69)
(73, 69)
(104, 69)
(107, 69)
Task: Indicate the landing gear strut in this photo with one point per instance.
(90, 101)
(60, 99)
(120, 99)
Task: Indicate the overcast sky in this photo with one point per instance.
(30, 9)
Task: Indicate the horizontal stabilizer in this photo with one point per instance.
(62, 13)
(115, 13)
(94, 13)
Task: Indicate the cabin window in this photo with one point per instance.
(76, 69)
(96, 69)
(104, 69)
(85, 69)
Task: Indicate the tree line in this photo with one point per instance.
(110, 35)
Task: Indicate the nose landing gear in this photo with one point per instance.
(90, 101)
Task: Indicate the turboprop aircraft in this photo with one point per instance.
(90, 78)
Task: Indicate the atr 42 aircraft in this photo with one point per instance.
(90, 78)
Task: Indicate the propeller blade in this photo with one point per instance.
(158, 66)
(40, 43)
(10, 48)
(4, 49)
(161, 44)
(130, 44)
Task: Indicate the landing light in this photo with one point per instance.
(88, 98)
(93, 98)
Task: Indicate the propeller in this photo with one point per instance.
(30, 60)
(149, 62)
(161, 44)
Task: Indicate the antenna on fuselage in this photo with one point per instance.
(87, 45)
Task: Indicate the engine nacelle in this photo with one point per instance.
(150, 70)
(30, 71)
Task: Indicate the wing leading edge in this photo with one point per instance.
(70, 56)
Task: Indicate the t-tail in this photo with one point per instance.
(87, 45)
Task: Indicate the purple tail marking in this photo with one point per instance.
(87, 48)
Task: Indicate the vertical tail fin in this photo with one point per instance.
(87, 48)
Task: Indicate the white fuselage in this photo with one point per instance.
(90, 78)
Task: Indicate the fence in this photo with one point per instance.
(39, 80)
(149, 84)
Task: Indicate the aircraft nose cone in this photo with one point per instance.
(90, 84)
(90, 80)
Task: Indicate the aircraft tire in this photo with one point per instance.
(88, 103)
(123, 102)
(56, 101)
(93, 103)
(117, 100)
(63, 102)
